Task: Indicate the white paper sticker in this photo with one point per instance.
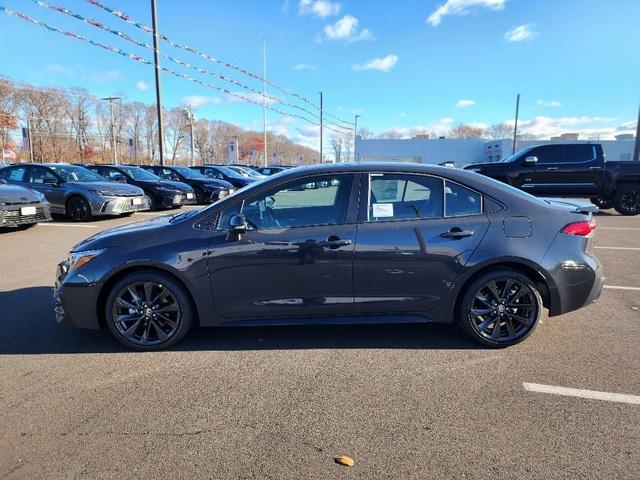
(381, 210)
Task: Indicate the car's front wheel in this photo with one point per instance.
(500, 308)
(148, 310)
(78, 209)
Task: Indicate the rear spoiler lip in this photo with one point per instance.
(580, 207)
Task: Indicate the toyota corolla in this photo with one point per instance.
(380, 243)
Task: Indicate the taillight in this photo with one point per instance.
(580, 228)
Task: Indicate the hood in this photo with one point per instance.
(16, 194)
(125, 234)
(110, 188)
(179, 186)
(212, 183)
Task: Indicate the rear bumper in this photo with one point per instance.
(16, 215)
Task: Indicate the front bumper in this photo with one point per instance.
(120, 205)
(24, 214)
(74, 301)
(216, 195)
(178, 199)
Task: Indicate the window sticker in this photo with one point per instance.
(381, 210)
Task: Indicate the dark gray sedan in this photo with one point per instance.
(380, 243)
(22, 207)
(75, 191)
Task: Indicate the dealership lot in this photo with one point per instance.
(405, 401)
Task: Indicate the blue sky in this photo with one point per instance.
(403, 65)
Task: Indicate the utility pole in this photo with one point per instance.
(515, 127)
(114, 147)
(636, 148)
(321, 115)
(355, 134)
(191, 157)
(156, 63)
(264, 98)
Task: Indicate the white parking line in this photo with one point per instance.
(617, 287)
(619, 248)
(576, 392)
(80, 225)
(618, 228)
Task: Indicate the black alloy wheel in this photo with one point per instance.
(626, 200)
(500, 308)
(78, 209)
(148, 311)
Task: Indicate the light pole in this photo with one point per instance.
(636, 147)
(515, 127)
(191, 157)
(114, 147)
(355, 135)
(156, 64)
(321, 115)
(264, 97)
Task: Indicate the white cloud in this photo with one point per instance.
(103, 76)
(384, 64)
(200, 100)
(304, 66)
(347, 29)
(465, 103)
(319, 8)
(142, 86)
(402, 114)
(59, 70)
(548, 103)
(588, 127)
(438, 128)
(521, 33)
(462, 7)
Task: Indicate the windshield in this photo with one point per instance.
(188, 173)
(72, 173)
(240, 171)
(518, 154)
(138, 173)
(227, 171)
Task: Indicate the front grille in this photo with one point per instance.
(14, 216)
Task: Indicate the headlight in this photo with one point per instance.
(101, 192)
(168, 189)
(39, 196)
(78, 259)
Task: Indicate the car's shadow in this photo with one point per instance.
(27, 327)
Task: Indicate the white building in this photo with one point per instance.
(466, 151)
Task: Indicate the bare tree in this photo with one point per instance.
(336, 145)
(465, 131)
(499, 131)
(365, 133)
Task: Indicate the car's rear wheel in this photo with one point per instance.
(78, 209)
(602, 204)
(500, 308)
(148, 311)
(626, 200)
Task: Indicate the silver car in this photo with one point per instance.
(76, 191)
(21, 207)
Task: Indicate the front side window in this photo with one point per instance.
(461, 201)
(113, 175)
(548, 154)
(324, 201)
(404, 197)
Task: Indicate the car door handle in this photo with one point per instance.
(552, 168)
(335, 242)
(457, 233)
(595, 168)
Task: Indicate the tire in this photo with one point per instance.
(626, 200)
(143, 314)
(602, 203)
(78, 209)
(153, 205)
(199, 195)
(478, 307)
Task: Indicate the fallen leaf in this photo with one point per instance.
(344, 460)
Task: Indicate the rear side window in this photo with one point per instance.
(579, 153)
(461, 201)
(404, 197)
(15, 174)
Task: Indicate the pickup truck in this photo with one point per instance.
(570, 170)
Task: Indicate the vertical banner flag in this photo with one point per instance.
(231, 151)
(132, 148)
(26, 140)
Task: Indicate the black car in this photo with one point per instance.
(161, 193)
(207, 190)
(382, 243)
(570, 170)
(226, 174)
(22, 207)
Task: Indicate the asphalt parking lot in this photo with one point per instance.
(405, 401)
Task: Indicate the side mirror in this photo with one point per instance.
(530, 160)
(121, 179)
(238, 223)
(50, 181)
